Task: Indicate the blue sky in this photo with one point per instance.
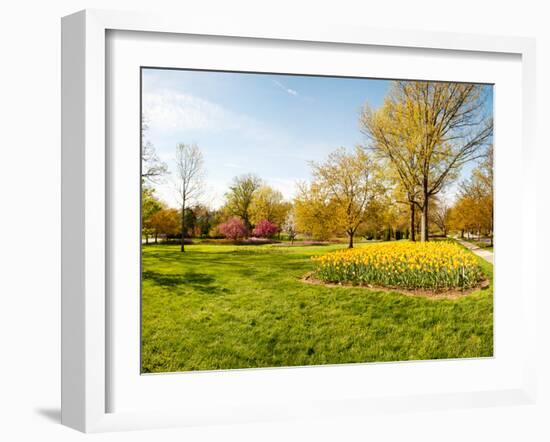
(269, 125)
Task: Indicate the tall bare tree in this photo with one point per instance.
(484, 173)
(440, 215)
(427, 131)
(152, 168)
(190, 174)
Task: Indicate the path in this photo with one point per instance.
(479, 251)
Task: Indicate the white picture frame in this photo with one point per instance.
(85, 217)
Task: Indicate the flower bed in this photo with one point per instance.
(408, 265)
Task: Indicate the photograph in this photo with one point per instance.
(295, 220)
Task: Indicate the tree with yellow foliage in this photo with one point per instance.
(166, 222)
(268, 204)
(349, 182)
(427, 131)
(314, 212)
(473, 211)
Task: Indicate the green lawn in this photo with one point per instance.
(222, 307)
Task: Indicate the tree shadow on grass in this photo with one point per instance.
(196, 258)
(201, 282)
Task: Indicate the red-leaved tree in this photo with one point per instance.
(265, 229)
(233, 228)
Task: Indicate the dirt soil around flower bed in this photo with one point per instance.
(309, 278)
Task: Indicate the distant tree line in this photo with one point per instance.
(391, 188)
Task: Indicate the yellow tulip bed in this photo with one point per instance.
(407, 265)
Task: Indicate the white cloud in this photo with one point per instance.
(173, 110)
(284, 88)
(169, 110)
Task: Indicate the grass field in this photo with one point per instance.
(224, 307)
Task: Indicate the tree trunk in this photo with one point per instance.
(156, 237)
(350, 245)
(423, 225)
(247, 224)
(413, 227)
(182, 227)
(424, 218)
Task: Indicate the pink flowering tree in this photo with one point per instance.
(233, 228)
(265, 229)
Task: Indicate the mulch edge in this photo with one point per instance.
(484, 284)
